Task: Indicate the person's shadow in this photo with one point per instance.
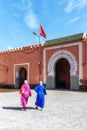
(17, 108)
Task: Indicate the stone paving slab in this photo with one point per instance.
(64, 110)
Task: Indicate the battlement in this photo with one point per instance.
(26, 49)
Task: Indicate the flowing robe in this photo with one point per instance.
(25, 92)
(40, 99)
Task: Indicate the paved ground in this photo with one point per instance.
(64, 110)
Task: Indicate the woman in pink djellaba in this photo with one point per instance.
(25, 92)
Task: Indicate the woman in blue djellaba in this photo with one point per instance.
(41, 92)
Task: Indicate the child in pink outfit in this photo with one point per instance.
(25, 92)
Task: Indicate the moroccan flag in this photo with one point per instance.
(42, 33)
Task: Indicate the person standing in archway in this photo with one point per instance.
(25, 92)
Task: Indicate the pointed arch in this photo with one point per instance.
(21, 75)
(62, 54)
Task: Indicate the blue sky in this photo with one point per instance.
(59, 18)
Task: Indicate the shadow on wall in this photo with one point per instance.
(34, 85)
(12, 86)
(2, 85)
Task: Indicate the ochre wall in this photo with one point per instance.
(30, 55)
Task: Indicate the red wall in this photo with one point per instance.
(19, 56)
(31, 55)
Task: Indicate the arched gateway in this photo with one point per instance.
(62, 74)
(62, 69)
(58, 63)
(21, 75)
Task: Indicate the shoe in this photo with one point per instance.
(24, 109)
(36, 107)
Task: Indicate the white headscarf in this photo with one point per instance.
(25, 81)
(41, 83)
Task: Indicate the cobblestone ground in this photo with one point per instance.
(64, 110)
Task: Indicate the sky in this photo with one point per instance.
(20, 18)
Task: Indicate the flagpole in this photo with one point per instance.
(39, 39)
(43, 34)
(39, 61)
(37, 36)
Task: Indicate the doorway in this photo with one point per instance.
(62, 74)
(21, 75)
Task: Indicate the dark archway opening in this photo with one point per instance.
(62, 74)
(22, 76)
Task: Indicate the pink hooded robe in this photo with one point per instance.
(25, 96)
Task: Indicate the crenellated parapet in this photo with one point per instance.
(11, 50)
(32, 48)
(26, 49)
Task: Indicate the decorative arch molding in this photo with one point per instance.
(16, 71)
(57, 56)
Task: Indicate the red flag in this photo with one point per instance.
(42, 31)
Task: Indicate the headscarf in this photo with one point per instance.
(41, 83)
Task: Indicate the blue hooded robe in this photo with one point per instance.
(40, 99)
